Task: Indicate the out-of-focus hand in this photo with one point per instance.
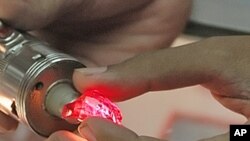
(65, 136)
(100, 32)
(96, 129)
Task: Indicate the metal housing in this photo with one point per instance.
(29, 68)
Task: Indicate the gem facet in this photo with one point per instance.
(91, 104)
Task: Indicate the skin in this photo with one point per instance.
(96, 129)
(91, 29)
(223, 67)
(118, 28)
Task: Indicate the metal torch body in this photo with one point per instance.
(29, 69)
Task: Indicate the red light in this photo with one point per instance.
(91, 104)
(4, 32)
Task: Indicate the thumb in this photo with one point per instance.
(97, 129)
(159, 70)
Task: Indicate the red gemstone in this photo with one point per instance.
(91, 104)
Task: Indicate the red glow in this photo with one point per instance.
(91, 104)
(5, 32)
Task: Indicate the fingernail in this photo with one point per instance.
(91, 71)
(85, 132)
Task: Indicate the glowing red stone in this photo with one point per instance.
(91, 104)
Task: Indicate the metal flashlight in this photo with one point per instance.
(35, 81)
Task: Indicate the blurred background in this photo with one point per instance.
(191, 113)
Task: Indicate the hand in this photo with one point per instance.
(96, 129)
(220, 64)
(102, 33)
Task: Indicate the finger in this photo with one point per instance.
(240, 106)
(96, 129)
(160, 70)
(64, 136)
(7, 123)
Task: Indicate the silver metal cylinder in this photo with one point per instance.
(29, 69)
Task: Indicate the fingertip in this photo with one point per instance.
(83, 77)
(87, 133)
(76, 78)
(105, 130)
(57, 136)
(64, 136)
(108, 81)
(91, 71)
